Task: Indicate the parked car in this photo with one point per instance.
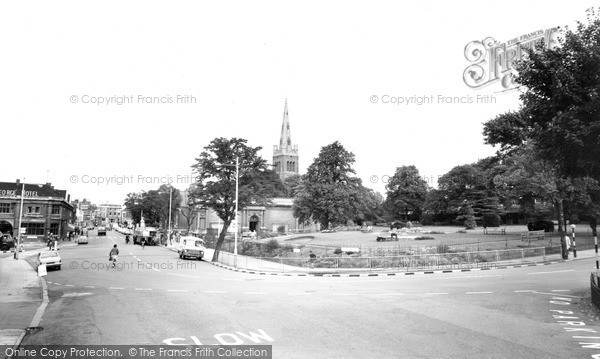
(545, 225)
(6, 242)
(82, 240)
(50, 259)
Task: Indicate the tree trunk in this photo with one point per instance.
(220, 241)
(593, 224)
(561, 219)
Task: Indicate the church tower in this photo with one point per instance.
(285, 155)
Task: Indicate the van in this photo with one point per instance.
(191, 247)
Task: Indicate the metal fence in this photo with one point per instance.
(446, 261)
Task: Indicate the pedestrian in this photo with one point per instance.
(312, 259)
(49, 241)
(143, 242)
(113, 255)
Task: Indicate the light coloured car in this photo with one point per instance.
(191, 247)
(82, 240)
(50, 259)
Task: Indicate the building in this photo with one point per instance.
(285, 155)
(45, 210)
(111, 213)
(276, 216)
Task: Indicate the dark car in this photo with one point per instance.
(541, 225)
(6, 242)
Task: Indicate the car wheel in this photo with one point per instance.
(58, 268)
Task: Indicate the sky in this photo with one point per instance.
(106, 98)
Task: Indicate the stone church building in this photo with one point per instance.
(278, 213)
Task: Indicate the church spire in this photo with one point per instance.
(286, 136)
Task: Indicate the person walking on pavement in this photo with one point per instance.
(143, 242)
(113, 255)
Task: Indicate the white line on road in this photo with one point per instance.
(69, 285)
(560, 290)
(184, 275)
(89, 286)
(562, 295)
(525, 291)
(384, 294)
(552, 272)
(214, 291)
(435, 293)
(478, 292)
(116, 288)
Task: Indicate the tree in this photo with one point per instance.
(217, 178)
(559, 114)
(406, 193)
(329, 194)
(292, 185)
(154, 205)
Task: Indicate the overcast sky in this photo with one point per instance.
(237, 62)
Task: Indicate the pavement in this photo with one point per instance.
(23, 295)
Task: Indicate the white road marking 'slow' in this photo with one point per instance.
(556, 271)
(116, 288)
(478, 292)
(214, 291)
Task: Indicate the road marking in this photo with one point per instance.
(116, 288)
(215, 291)
(177, 290)
(560, 290)
(255, 292)
(75, 295)
(562, 295)
(143, 288)
(384, 294)
(57, 284)
(478, 292)
(184, 275)
(89, 286)
(525, 291)
(69, 285)
(552, 272)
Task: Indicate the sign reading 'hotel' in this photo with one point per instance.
(493, 62)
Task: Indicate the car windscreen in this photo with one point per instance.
(49, 254)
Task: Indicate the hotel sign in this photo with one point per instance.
(493, 62)
(16, 193)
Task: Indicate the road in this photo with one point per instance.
(153, 297)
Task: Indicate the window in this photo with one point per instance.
(34, 229)
(31, 209)
(54, 228)
(5, 208)
(55, 209)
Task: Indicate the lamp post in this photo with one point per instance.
(19, 240)
(574, 246)
(170, 200)
(235, 249)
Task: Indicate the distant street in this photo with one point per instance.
(156, 298)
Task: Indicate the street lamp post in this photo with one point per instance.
(235, 249)
(19, 239)
(574, 246)
(170, 200)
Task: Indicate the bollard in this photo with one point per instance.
(574, 245)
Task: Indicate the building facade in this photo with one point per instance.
(45, 210)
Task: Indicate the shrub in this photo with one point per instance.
(281, 229)
(337, 251)
(398, 225)
(420, 238)
(491, 220)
